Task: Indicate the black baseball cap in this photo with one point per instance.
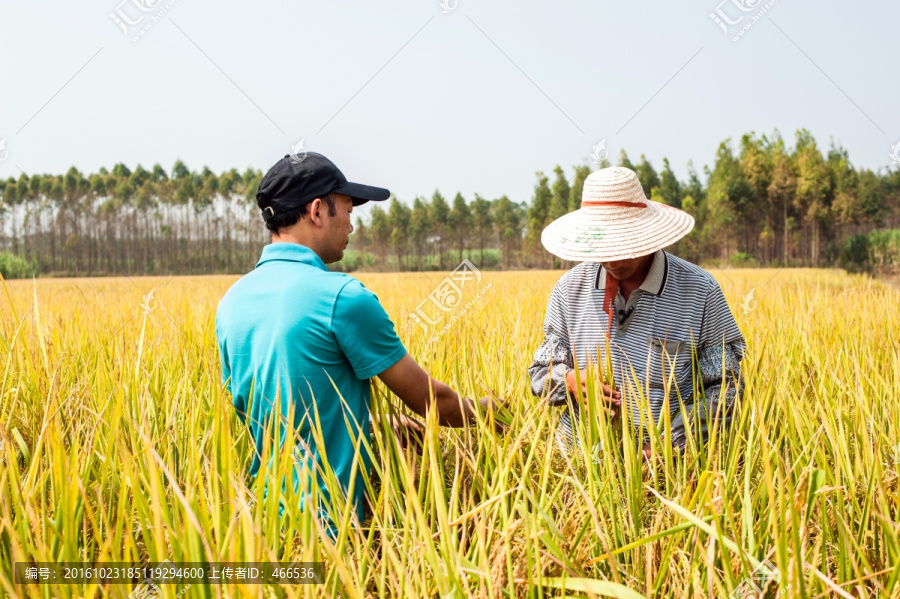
(296, 180)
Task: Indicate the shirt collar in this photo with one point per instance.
(290, 252)
(654, 282)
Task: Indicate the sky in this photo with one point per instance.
(470, 97)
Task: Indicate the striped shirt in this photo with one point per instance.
(678, 311)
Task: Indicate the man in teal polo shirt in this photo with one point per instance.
(300, 343)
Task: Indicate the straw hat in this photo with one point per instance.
(616, 221)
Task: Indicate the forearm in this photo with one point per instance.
(453, 410)
(423, 393)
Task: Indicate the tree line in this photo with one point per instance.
(133, 222)
(762, 202)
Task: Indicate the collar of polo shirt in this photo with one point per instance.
(291, 252)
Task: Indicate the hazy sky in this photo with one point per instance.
(403, 95)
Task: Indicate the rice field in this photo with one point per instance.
(119, 444)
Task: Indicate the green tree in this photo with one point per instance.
(484, 223)
(71, 212)
(381, 234)
(624, 161)
(420, 228)
(158, 175)
(781, 193)
(756, 167)
(811, 199)
(559, 199)
(647, 175)
(539, 217)
(694, 187)
(361, 237)
(440, 223)
(581, 174)
(844, 180)
(180, 171)
(728, 194)
(11, 200)
(872, 191)
(460, 220)
(399, 216)
(509, 229)
(669, 187)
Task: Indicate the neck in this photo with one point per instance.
(293, 235)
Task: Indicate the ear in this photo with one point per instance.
(314, 211)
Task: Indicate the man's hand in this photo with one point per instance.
(498, 407)
(613, 398)
(407, 431)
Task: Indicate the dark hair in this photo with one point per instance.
(286, 219)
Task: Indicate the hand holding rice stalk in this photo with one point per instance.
(586, 382)
(411, 431)
(496, 408)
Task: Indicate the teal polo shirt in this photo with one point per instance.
(293, 330)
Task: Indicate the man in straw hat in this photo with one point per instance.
(649, 310)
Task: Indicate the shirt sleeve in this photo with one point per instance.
(719, 356)
(718, 326)
(364, 331)
(554, 357)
